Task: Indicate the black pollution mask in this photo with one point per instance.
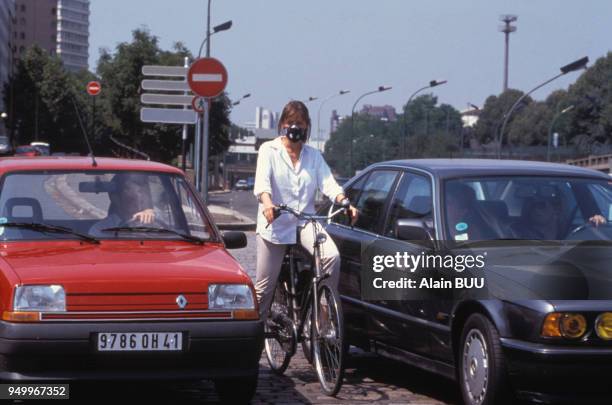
(295, 133)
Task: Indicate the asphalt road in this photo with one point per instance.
(242, 201)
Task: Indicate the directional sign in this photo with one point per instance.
(171, 71)
(169, 99)
(94, 88)
(168, 115)
(207, 77)
(167, 85)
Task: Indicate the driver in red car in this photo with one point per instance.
(130, 203)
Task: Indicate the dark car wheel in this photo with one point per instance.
(236, 390)
(481, 364)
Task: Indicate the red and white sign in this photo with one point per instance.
(94, 88)
(207, 77)
(198, 104)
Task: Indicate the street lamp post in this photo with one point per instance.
(309, 99)
(432, 83)
(552, 125)
(572, 67)
(325, 100)
(241, 98)
(380, 89)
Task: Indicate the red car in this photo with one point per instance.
(27, 150)
(114, 270)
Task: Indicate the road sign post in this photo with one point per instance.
(207, 77)
(93, 89)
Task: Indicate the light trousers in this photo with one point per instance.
(270, 258)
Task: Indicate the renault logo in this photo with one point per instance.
(181, 301)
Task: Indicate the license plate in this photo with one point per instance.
(138, 342)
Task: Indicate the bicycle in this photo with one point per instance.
(292, 319)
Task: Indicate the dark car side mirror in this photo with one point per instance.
(234, 240)
(412, 229)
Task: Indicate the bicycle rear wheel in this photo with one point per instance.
(280, 337)
(328, 341)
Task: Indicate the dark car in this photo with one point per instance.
(542, 327)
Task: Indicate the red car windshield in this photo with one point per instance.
(99, 204)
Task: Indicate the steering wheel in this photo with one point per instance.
(157, 223)
(589, 224)
(580, 228)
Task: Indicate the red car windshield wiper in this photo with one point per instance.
(35, 226)
(148, 229)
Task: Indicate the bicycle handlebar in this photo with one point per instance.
(301, 215)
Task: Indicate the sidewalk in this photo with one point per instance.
(228, 219)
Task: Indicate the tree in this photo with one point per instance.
(121, 76)
(491, 116)
(425, 129)
(46, 101)
(590, 122)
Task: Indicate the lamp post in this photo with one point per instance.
(572, 67)
(380, 89)
(309, 99)
(432, 83)
(552, 125)
(325, 100)
(241, 98)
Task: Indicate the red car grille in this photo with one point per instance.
(135, 302)
(132, 316)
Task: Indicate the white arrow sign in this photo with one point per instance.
(170, 99)
(171, 71)
(168, 116)
(167, 85)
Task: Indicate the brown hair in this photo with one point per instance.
(294, 111)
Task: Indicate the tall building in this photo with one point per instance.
(61, 27)
(7, 12)
(383, 113)
(265, 119)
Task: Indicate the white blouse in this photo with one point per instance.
(293, 186)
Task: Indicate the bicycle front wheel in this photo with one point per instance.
(280, 337)
(327, 341)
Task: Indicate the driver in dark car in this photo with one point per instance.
(543, 219)
(130, 203)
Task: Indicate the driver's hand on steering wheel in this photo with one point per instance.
(146, 216)
(597, 220)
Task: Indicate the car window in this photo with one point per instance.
(371, 201)
(91, 202)
(352, 193)
(521, 207)
(412, 199)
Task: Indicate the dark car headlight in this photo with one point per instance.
(566, 325)
(603, 326)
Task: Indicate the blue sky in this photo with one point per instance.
(287, 49)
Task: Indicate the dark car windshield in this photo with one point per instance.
(90, 203)
(528, 208)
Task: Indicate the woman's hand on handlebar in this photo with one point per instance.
(270, 212)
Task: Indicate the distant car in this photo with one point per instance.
(541, 329)
(89, 291)
(43, 147)
(241, 185)
(251, 182)
(27, 150)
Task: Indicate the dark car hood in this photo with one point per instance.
(552, 271)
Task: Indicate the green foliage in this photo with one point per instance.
(590, 122)
(492, 114)
(426, 129)
(121, 75)
(43, 103)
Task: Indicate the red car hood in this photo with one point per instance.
(122, 266)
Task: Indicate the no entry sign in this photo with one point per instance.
(94, 88)
(207, 77)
